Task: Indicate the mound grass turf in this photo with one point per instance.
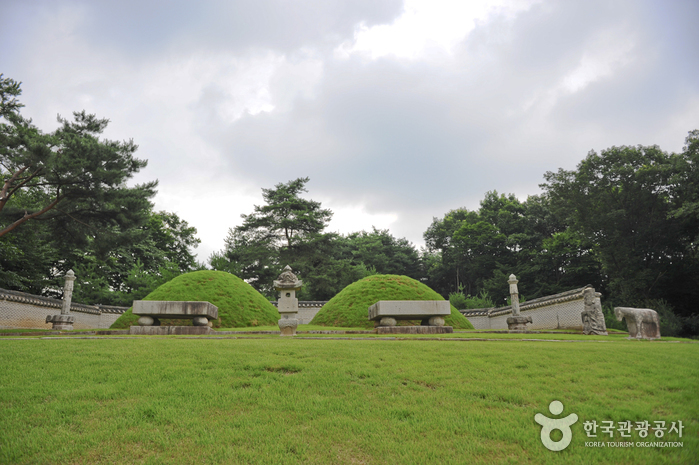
(349, 307)
(239, 305)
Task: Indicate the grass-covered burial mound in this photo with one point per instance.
(349, 307)
(239, 305)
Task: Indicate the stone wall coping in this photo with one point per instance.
(566, 296)
(305, 303)
(23, 297)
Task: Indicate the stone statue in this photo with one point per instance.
(592, 316)
(64, 321)
(288, 305)
(516, 322)
(643, 323)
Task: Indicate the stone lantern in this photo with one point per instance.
(288, 305)
(64, 321)
(516, 322)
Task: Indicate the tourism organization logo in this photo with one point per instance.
(645, 430)
(550, 424)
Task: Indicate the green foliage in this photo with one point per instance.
(670, 324)
(382, 253)
(482, 300)
(65, 205)
(239, 305)
(610, 320)
(323, 271)
(625, 221)
(275, 235)
(467, 302)
(479, 250)
(458, 299)
(633, 206)
(349, 307)
(77, 178)
(138, 261)
(287, 218)
(289, 230)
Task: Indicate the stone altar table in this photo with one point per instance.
(150, 312)
(385, 314)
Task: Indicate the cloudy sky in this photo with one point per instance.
(398, 111)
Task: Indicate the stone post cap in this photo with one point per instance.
(287, 280)
(70, 275)
(513, 279)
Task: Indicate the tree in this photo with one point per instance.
(70, 172)
(287, 218)
(477, 251)
(65, 204)
(635, 206)
(378, 250)
(275, 235)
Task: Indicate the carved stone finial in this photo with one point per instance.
(287, 280)
(287, 276)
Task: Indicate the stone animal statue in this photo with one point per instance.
(643, 323)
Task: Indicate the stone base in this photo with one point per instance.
(518, 323)
(288, 326)
(414, 329)
(168, 330)
(61, 322)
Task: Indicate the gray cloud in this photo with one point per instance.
(251, 94)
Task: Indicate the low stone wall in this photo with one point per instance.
(307, 310)
(558, 311)
(28, 311)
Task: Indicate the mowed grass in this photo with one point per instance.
(309, 400)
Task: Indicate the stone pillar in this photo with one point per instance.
(514, 294)
(68, 292)
(516, 322)
(64, 321)
(288, 305)
(592, 316)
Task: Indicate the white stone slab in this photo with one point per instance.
(172, 309)
(409, 309)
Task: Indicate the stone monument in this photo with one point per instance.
(65, 320)
(592, 316)
(516, 322)
(151, 311)
(288, 305)
(643, 323)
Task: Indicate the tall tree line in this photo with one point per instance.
(64, 204)
(290, 230)
(626, 220)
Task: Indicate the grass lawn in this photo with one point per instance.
(362, 400)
